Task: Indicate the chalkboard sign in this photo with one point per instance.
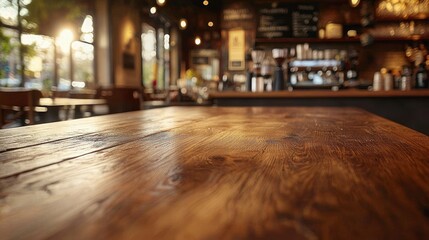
(283, 20)
(238, 15)
(304, 20)
(274, 21)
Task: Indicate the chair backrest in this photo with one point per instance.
(83, 93)
(23, 98)
(19, 98)
(122, 99)
(60, 94)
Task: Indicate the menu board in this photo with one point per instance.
(283, 20)
(304, 20)
(238, 15)
(274, 21)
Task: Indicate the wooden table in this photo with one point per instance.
(216, 173)
(55, 104)
(62, 102)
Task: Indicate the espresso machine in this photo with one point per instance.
(257, 84)
(279, 55)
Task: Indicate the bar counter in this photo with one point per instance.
(216, 173)
(408, 108)
(350, 93)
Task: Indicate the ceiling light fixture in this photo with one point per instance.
(183, 23)
(152, 10)
(205, 2)
(354, 3)
(197, 40)
(210, 24)
(160, 2)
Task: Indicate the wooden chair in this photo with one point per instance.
(18, 104)
(83, 94)
(59, 94)
(122, 99)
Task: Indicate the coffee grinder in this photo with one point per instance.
(279, 55)
(258, 56)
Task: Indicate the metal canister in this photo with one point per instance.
(377, 84)
(388, 81)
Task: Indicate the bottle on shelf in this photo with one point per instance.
(249, 72)
(377, 84)
(421, 77)
(405, 80)
(352, 71)
(226, 83)
(388, 80)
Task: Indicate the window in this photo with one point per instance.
(38, 61)
(149, 56)
(9, 12)
(10, 66)
(47, 61)
(160, 57)
(83, 62)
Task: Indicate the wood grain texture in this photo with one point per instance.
(216, 173)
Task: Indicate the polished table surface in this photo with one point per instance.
(216, 173)
(61, 102)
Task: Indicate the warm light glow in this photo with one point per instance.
(42, 42)
(78, 84)
(167, 41)
(87, 26)
(66, 34)
(354, 3)
(351, 33)
(210, 24)
(148, 44)
(82, 51)
(404, 8)
(87, 30)
(197, 41)
(64, 39)
(36, 64)
(205, 2)
(183, 23)
(160, 2)
(152, 10)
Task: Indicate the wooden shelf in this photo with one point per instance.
(399, 19)
(398, 39)
(308, 40)
(337, 40)
(349, 93)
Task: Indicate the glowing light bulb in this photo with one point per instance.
(183, 23)
(210, 24)
(152, 10)
(197, 41)
(354, 3)
(160, 2)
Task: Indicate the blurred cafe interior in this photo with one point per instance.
(367, 54)
(214, 119)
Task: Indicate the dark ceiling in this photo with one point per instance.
(173, 10)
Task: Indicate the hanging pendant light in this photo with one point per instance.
(354, 3)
